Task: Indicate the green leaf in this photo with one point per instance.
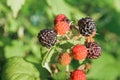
(59, 6)
(35, 49)
(32, 59)
(117, 5)
(15, 6)
(16, 68)
(16, 49)
(74, 65)
(1, 43)
(47, 58)
(60, 76)
(67, 44)
(104, 68)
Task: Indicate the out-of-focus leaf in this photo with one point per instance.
(15, 6)
(3, 7)
(13, 24)
(59, 6)
(1, 43)
(17, 68)
(117, 5)
(32, 59)
(118, 66)
(76, 13)
(104, 68)
(35, 49)
(17, 48)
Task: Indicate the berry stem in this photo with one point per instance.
(75, 27)
(71, 24)
(67, 68)
(81, 67)
(68, 38)
(76, 37)
(89, 39)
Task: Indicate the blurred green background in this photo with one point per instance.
(21, 20)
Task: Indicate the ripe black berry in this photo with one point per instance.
(94, 50)
(86, 26)
(47, 37)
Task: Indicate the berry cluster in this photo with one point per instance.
(47, 37)
(89, 50)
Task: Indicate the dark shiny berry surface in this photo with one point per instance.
(47, 37)
(86, 26)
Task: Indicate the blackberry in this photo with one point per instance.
(86, 26)
(47, 37)
(94, 50)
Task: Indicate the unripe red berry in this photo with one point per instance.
(60, 18)
(79, 52)
(77, 75)
(64, 59)
(62, 28)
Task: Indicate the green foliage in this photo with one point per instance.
(15, 49)
(21, 20)
(108, 67)
(47, 58)
(60, 76)
(15, 6)
(16, 68)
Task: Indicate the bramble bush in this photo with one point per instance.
(23, 57)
